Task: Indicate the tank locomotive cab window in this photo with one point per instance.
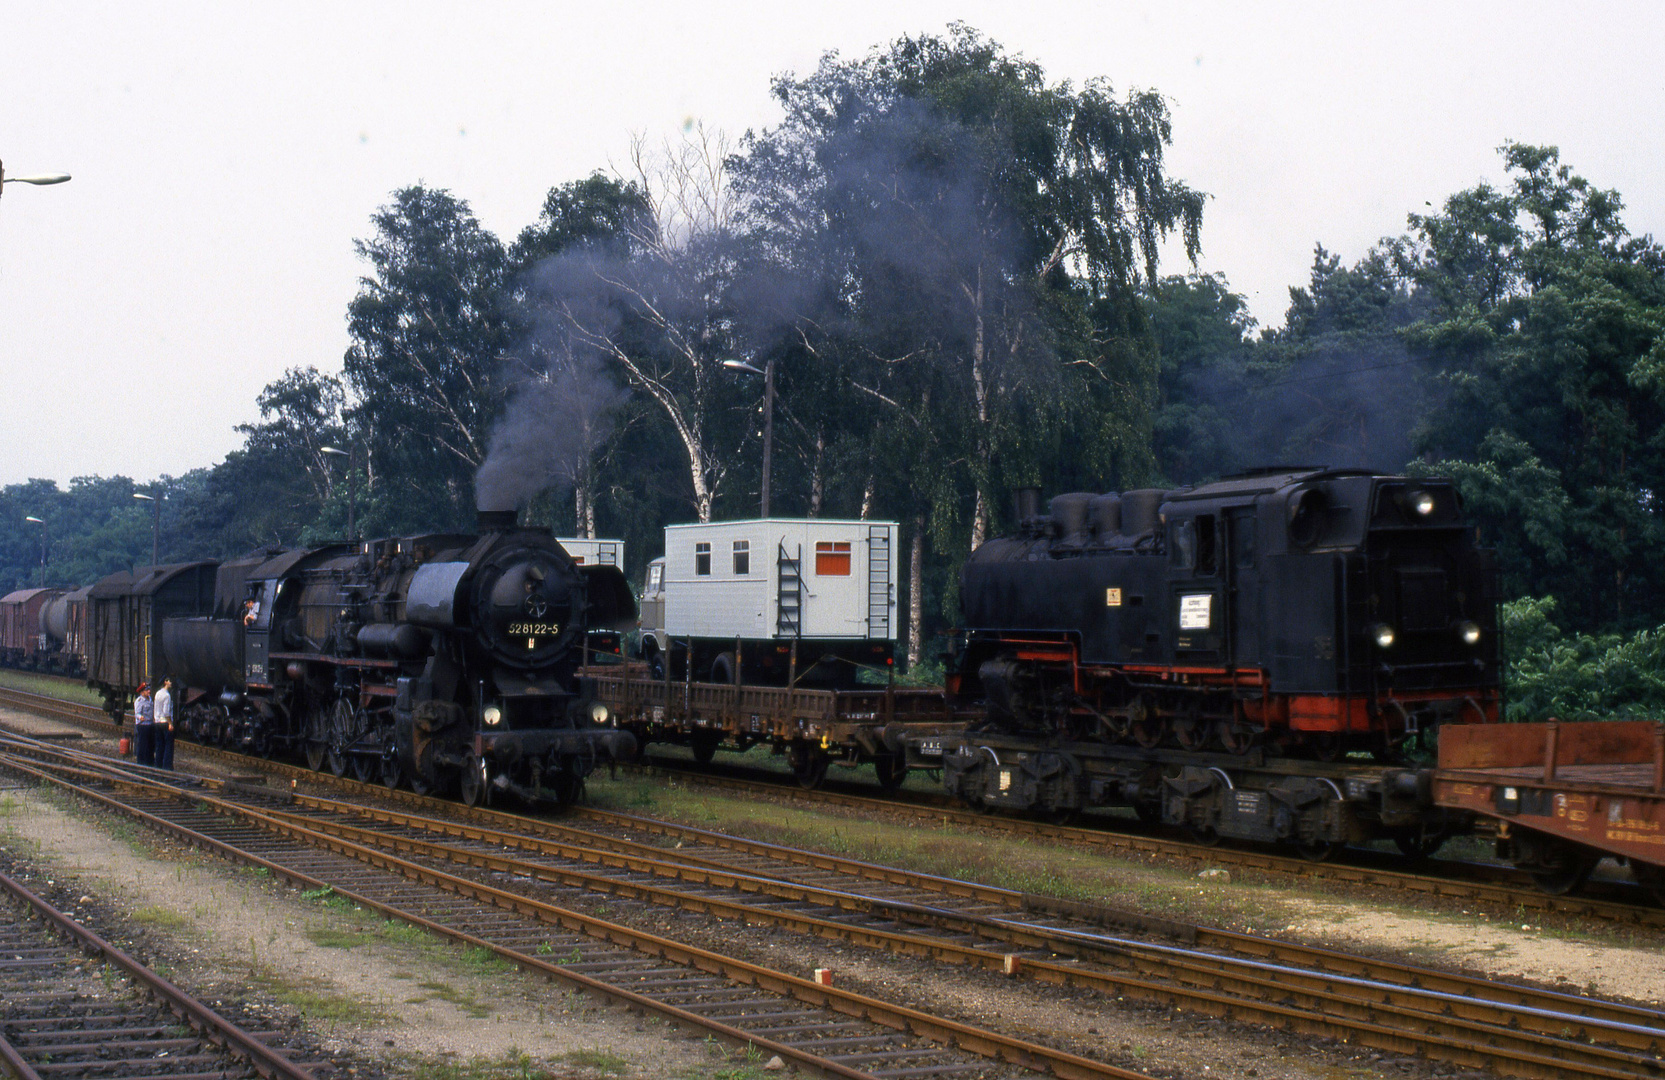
(1192, 546)
(832, 558)
(742, 557)
(702, 559)
(655, 575)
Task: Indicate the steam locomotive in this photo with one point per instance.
(1265, 657)
(445, 662)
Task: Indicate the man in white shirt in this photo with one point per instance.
(164, 725)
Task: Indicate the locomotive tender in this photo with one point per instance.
(1212, 656)
(448, 662)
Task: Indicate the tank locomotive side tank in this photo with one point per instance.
(1157, 648)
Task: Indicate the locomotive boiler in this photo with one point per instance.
(445, 662)
(1215, 655)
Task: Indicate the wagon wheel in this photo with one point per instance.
(704, 746)
(809, 764)
(343, 732)
(1419, 842)
(1206, 835)
(1320, 850)
(1651, 878)
(891, 770)
(1563, 868)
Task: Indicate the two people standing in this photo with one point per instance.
(153, 726)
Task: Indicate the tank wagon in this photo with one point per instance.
(448, 662)
(1214, 656)
(40, 630)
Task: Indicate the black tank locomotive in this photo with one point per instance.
(1156, 648)
(446, 662)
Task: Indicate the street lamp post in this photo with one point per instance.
(42, 525)
(41, 180)
(352, 492)
(155, 526)
(768, 374)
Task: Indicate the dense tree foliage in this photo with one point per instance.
(949, 266)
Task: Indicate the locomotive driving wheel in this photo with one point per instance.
(474, 782)
(317, 738)
(1238, 738)
(391, 774)
(343, 732)
(1191, 728)
(1146, 727)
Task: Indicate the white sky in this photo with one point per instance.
(226, 155)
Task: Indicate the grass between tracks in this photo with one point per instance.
(53, 686)
(1151, 886)
(949, 849)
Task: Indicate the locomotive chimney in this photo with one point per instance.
(497, 520)
(1028, 504)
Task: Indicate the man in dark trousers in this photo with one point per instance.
(144, 727)
(164, 725)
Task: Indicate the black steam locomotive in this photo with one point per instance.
(1265, 657)
(447, 662)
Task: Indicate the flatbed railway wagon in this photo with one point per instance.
(813, 728)
(1558, 797)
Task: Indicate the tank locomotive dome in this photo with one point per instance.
(527, 604)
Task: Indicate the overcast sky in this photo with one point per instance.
(226, 155)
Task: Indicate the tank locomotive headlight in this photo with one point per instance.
(492, 716)
(1382, 635)
(1423, 503)
(1469, 632)
(598, 713)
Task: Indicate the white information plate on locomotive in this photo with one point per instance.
(1194, 611)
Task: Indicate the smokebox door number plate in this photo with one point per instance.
(534, 629)
(1194, 611)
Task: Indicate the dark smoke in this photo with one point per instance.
(560, 410)
(1339, 407)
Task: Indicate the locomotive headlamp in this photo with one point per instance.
(1423, 503)
(598, 713)
(492, 716)
(1382, 635)
(1469, 632)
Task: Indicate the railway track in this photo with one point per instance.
(1500, 887)
(818, 1028)
(1517, 1030)
(74, 1005)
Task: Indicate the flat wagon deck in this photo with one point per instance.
(1562, 795)
(813, 728)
